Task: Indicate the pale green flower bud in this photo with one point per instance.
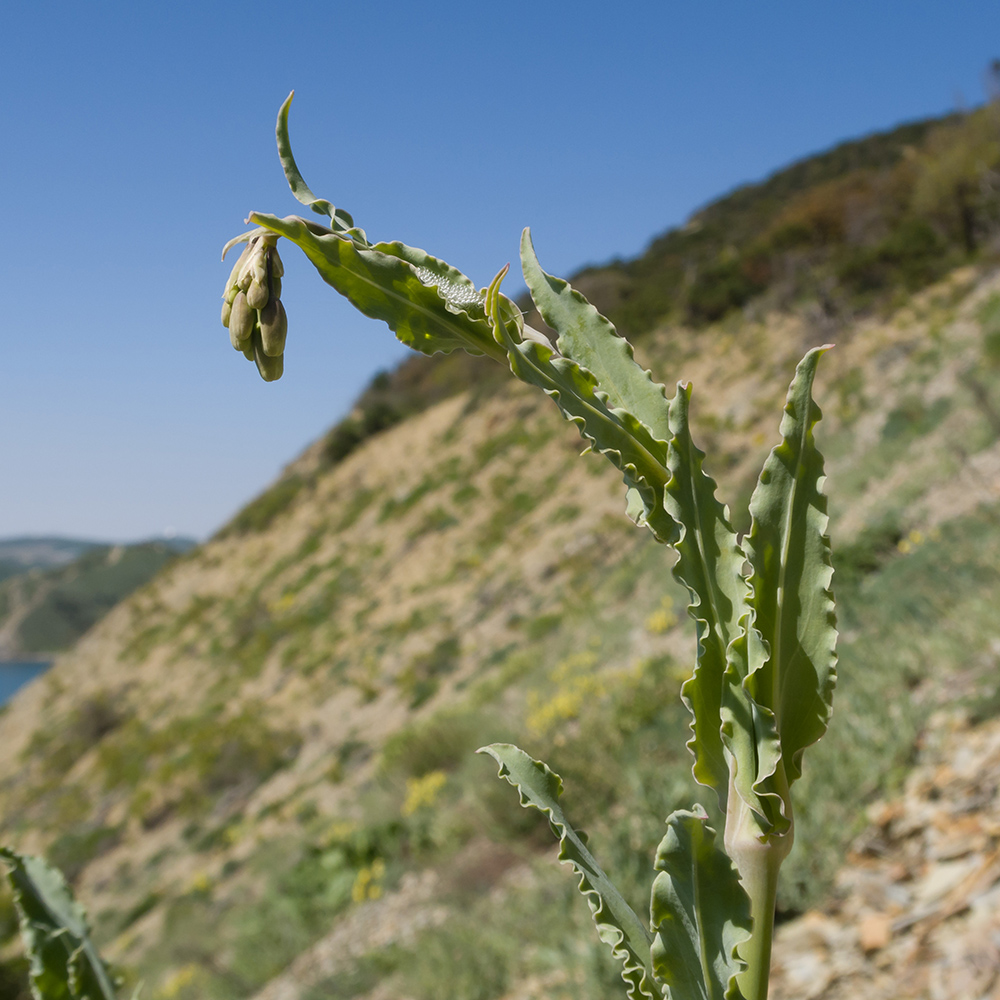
(273, 328)
(241, 345)
(257, 294)
(242, 320)
(232, 284)
(277, 268)
(270, 368)
(252, 308)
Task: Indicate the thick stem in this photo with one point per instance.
(758, 863)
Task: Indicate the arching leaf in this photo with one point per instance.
(429, 305)
(615, 433)
(338, 217)
(617, 923)
(592, 342)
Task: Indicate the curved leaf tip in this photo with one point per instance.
(243, 237)
(338, 217)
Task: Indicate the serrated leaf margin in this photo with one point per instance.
(618, 926)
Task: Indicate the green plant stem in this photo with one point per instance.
(758, 862)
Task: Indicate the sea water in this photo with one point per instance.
(14, 674)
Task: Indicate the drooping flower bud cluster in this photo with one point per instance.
(252, 307)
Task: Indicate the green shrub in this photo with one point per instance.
(74, 850)
(260, 513)
(421, 678)
(442, 741)
(193, 759)
(720, 287)
(57, 749)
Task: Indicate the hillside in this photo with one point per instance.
(264, 756)
(854, 230)
(52, 590)
(19, 555)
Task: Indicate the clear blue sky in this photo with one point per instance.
(137, 136)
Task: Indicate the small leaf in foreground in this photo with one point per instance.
(617, 923)
(699, 913)
(65, 964)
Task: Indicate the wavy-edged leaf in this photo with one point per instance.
(710, 564)
(339, 218)
(699, 912)
(617, 923)
(65, 964)
(591, 340)
(789, 551)
(615, 433)
(750, 736)
(429, 305)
